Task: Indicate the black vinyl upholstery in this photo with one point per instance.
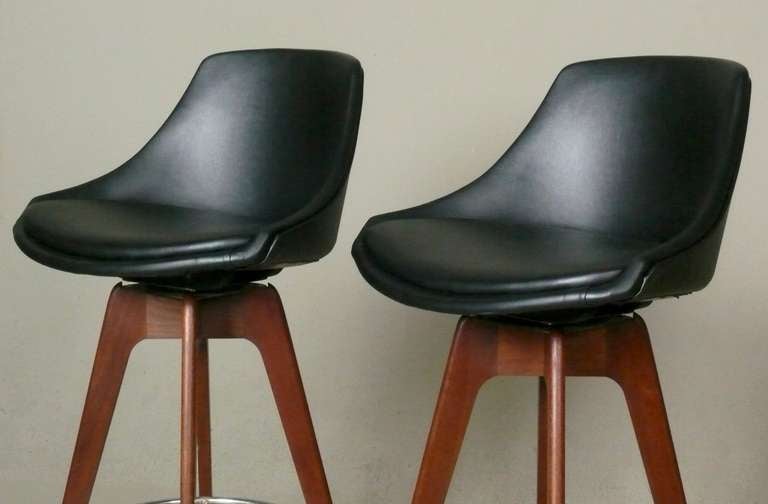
(245, 177)
(615, 194)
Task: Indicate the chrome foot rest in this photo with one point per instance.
(211, 500)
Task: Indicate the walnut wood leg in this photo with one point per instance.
(137, 312)
(634, 368)
(268, 330)
(121, 331)
(188, 452)
(541, 484)
(203, 419)
(470, 364)
(555, 421)
(618, 348)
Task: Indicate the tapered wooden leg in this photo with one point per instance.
(618, 348)
(555, 421)
(203, 419)
(634, 368)
(541, 483)
(188, 452)
(269, 332)
(137, 312)
(122, 329)
(470, 364)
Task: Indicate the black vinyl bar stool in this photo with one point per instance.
(614, 195)
(247, 176)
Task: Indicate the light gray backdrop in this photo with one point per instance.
(448, 87)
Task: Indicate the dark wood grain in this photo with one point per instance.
(555, 421)
(618, 348)
(634, 369)
(203, 419)
(470, 364)
(254, 313)
(122, 329)
(188, 441)
(266, 327)
(543, 433)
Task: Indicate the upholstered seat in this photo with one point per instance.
(102, 229)
(615, 194)
(469, 257)
(245, 177)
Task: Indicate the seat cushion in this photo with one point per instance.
(484, 257)
(116, 230)
(168, 245)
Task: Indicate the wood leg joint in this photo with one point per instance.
(135, 313)
(617, 348)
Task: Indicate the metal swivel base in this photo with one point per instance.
(211, 500)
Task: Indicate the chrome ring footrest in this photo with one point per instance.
(211, 500)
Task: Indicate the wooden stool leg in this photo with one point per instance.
(188, 452)
(618, 348)
(470, 364)
(121, 331)
(268, 330)
(203, 419)
(541, 484)
(555, 421)
(634, 368)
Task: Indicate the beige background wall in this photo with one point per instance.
(448, 86)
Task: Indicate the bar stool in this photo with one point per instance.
(247, 176)
(614, 195)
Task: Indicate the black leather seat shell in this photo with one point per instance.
(246, 176)
(616, 193)
(128, 231)
(495, 257)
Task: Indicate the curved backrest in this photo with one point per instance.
(263, 133)
(643, 146)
